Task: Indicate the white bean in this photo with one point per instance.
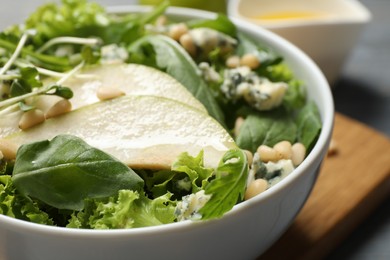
(255, 187)
(31, 118)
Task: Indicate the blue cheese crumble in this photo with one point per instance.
(190, 205)
(258, 92)
(272, 172)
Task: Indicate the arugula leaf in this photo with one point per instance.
(229, 184)
(309, 125)
(266, 128)
(167, 55)
(66, 170)
(128, 209)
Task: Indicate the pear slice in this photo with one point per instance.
(131, 79)
(141, 131)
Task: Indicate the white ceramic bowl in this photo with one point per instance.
(244, 233)
(327, 30)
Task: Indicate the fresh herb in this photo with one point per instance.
(65, 171)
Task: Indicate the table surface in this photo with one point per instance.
(361, 92)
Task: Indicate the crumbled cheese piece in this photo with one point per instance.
(273, 172)
(190, 205)
(207, 40)
(113, 54)
(259, 92)
(209, 73)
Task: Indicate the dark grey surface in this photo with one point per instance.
(362, 92)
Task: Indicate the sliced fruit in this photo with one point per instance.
(131, 79)
(141, 131)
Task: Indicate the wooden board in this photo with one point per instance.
(351, 184)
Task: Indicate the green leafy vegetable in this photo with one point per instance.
(309, 125)
(221, 23)
(128, 209)
(65, 171)
(13, 204)
(165, 54)
(266, 128)
(229, 184)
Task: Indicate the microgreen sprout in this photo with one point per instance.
(69, 40)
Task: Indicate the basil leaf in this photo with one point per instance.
(309, 125)
(65, 171)
(229, 184)
(167, 55)
(266, 128)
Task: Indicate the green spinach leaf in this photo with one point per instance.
(65, 171)
(167, 55)
(266, 128)
(309, 125)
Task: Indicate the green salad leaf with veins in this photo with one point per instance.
(67, 182)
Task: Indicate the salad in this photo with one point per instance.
(114, 121)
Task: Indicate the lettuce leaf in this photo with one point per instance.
(15, 205)
(229, 184)
(128, 209)
(187, 175)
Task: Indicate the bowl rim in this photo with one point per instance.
(315, 155)
(362, 16)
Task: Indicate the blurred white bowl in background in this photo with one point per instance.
(327, 30)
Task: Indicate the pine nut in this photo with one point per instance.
(250, 60)
(61, 107)
(283, 149)
(267, 153)
(177, 30)
(333, 147)
(237, 125)
(233, 62)
(8, 149)
(31, 118)
(105, 93)
(298, 153)
(188, 44)
(255, 187)
(249, 156)
(161, 20)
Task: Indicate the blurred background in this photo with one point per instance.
(361, 90)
